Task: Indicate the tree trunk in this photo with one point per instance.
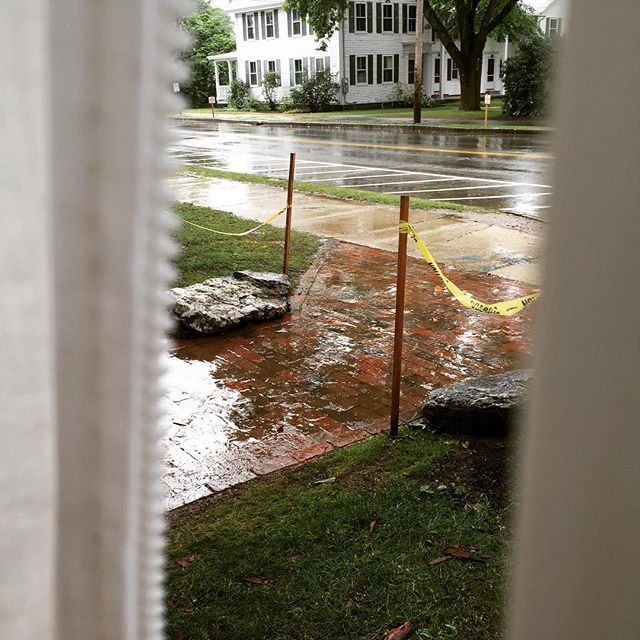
(470, 79)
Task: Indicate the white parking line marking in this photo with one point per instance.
(516, 195)
(386, 184)
(477, 186)
(314, 172)
(377, 175)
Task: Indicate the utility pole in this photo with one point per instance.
(417, 65)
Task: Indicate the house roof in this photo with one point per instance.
(231, 55)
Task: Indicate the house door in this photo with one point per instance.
(490, 77)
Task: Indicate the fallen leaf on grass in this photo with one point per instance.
(258, 580)
(461, 554)
(325, 481)
(295, 557)
(439, 560)
(349, 603)
(186, 561)
(372, 526)
(401, 632)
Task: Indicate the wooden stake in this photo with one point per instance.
(287, 231)
(397, 338)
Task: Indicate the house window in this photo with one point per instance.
(319, 64)
(361, 69)
(411, 20)
(251, 27)
(387, 17)
(296, 23)
(411, 70)
(271, 66)
(298, 71)
(553, 26)
(436, 71)
(253, 74)
(452, 70)
(361, 16)
(387, 68)
(269, 24)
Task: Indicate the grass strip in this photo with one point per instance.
(205, 255)
(295, 556)
(331, 191)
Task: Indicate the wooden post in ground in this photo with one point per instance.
(399, 325)
(287, 230)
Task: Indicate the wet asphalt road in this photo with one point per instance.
(508, 172)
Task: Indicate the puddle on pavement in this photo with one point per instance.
(273, 394)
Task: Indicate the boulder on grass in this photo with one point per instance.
(486, 405)
(221, 304)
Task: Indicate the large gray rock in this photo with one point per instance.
(485, 406)
(221, 304)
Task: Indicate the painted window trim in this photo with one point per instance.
(409, 18)
(294, 12)
(390, 69)
(365, 70)
(411, 72)
(252, 26)
(271, 13)
(297, 82)
(363, 17)
(384, 6)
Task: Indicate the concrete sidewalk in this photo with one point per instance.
(495, 243)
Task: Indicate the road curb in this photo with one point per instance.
(358, 125)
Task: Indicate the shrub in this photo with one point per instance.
(528, 78)
(239, 97)
(270, 84)
(404, 95)
(315, 93)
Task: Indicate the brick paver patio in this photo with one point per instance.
(275, 394)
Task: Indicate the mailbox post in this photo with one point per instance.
(487, 102)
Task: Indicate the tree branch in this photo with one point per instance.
(502, 14)
(441, 32)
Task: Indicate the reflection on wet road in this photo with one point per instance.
(508, 172)
(277, 393)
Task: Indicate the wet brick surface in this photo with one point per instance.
(275, 394)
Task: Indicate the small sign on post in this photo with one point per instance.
(212, 101)
(487, 102)
(176, 87)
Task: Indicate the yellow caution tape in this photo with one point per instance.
(506, 308)
(243, 233)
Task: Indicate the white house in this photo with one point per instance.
(553, 20)
(370, 54)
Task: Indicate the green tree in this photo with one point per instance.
(528, 78)
(469, 22)
(211, 34)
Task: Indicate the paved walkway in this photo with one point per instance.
(495, 243)
(278, 393)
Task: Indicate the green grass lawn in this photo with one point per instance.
(205, 255)
(285, 557)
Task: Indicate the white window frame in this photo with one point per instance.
(296, 21)
(320, 64)
(411, 61)
(298, 73)
(272, 66)
(387, 18)
(253, 71)
(411, 19)
(364, 69)
(455, 75)
(267, 15)
(553, 26)
(385, 69)
(437, 70)
(364, 17)
(251, 25)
